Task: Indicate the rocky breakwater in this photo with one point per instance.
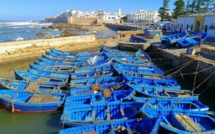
(20, 50)
(66, 29)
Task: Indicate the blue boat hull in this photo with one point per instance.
(26, 102)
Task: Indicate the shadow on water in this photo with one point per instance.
(54, 119)
(41, 123)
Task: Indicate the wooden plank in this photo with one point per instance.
(93, 115)
(188, 123)
(108, 112)
(32, 87)
(106, 93)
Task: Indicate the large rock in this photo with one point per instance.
(45, 28)
(40, 34)
(66, 33)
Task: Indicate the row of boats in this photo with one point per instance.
(106, 91)
(184, 39)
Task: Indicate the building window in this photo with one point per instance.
(109, 18)
(113, 18)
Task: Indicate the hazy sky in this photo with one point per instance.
(40, 9)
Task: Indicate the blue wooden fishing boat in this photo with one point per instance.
(140, 54)
(27, 102)
(59, 58)
(78, 64)
(165, 39)
(90, 62)
(93, 114)
(91, 81)
(157, 85)
(127, 57)
(53, 61)
(95, 88)
(61, 55)
(22, 85)
(138, 38)
(39, 73)
(136, 67)
(48, 74)
(189, 104)
(148, 79)
(68, 53)
(98, 98)
(182, 122)
(73, 56)
(86, 53)
(21, 75)
(132, 62)
(192, 40)
(68, 70)
(131, 126)
(139, 73)
(99, 68)
(61, 75)
(175, 37)
(91, 74)
(151, 33)
(114, 51)
(145, 92)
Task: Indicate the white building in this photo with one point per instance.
(105, 17)
(63, 17)
(198, 23)
(144, 17)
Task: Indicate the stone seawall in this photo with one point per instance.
(12, 51)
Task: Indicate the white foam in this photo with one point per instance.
(19, 39)
(17, 27)
(24, 23)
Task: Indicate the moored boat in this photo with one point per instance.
(98, 98)
(22, 85)
(187, 104)
(21, 75)
(48, 74)
(138, 38)
(151, 33)
(192, 40)
(182, 122)
(156, 85)
(91, 81)
(131, 126)
(140, 54)
(152, 93)
(68, 70)
(95, 88)
(172, 39)
(92, 114)
(27, 102)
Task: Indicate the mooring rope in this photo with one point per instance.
(204, 81)
(200, 71)
(194, 82)
(179, 66)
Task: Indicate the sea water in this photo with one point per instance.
(24, 30)
(27, 30)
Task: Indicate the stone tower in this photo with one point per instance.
(119, 12)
